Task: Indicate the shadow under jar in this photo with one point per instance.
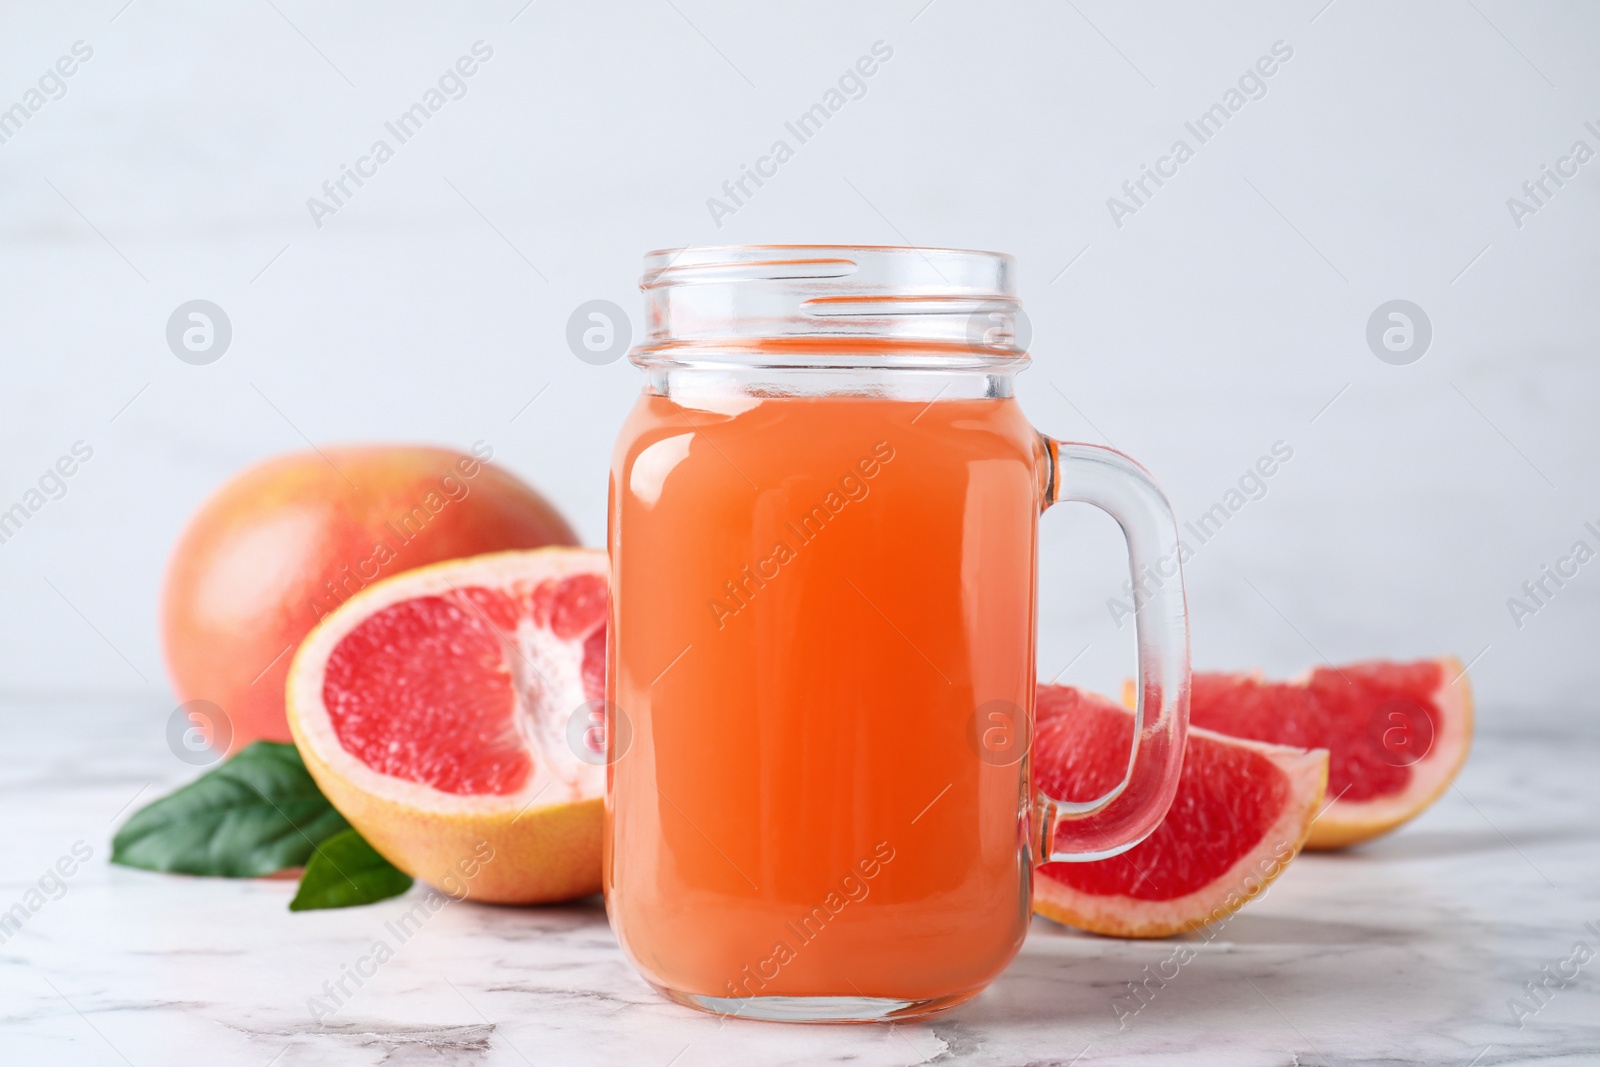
(823, 535)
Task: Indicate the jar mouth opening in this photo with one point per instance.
(833, 305)
(985, 273)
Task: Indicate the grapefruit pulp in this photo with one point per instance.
(1396, 733)
(1241, 813)
(433, 710)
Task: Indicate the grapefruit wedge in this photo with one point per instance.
(1242, 810)
(433, 710)
(1396, 733)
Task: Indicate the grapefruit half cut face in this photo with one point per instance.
(434, 710)
(1241, 813)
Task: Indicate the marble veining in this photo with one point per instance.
(1411, 950)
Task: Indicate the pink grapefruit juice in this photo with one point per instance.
(810, 597)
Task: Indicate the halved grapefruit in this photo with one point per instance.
(433, 710)
(1241, 813)
(1396, 734)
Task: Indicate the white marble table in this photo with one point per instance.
(1404, 952)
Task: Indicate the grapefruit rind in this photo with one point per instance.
(544, 839)
(1118, 915)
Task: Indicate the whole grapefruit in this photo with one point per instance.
(286, 542)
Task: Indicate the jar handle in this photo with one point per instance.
(1111, 824)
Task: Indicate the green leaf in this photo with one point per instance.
(345, 871)
(253, 815)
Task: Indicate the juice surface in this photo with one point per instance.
(812, 596)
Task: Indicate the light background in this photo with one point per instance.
(1229, 313)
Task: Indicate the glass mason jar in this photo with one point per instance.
(823, 534)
